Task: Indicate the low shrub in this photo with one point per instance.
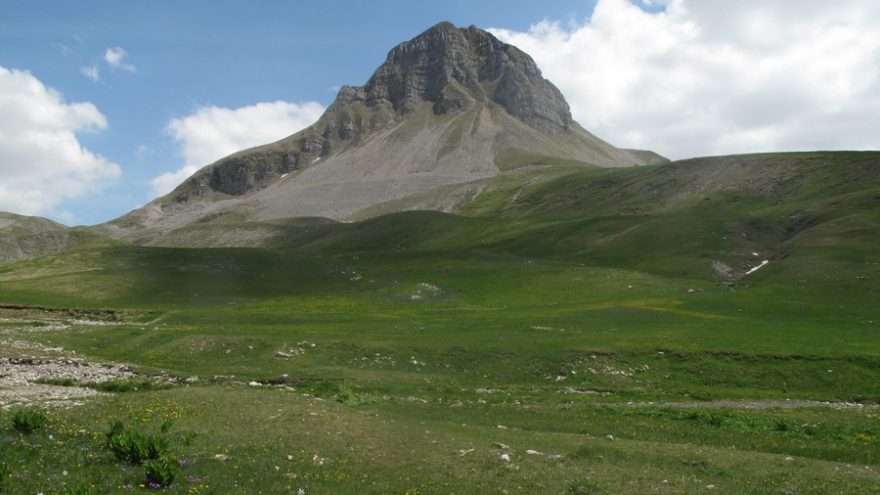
(28, 421)
(132, 447)
(160, 472)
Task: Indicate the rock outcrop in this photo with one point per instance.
(455, 68)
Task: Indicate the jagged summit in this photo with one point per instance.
(436, 122)
(455, 68)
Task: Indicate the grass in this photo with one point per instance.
(275, 442)
(581, 321)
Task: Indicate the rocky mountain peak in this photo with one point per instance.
(455, 68)
(450, 106)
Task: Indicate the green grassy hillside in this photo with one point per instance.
(570, 331)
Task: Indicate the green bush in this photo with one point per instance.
(132, 447)
(27, 421)
(160, 472)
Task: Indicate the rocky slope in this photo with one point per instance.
(446, 111)
(23, 237)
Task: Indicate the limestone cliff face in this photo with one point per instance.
(455, 68)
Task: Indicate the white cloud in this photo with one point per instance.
(711, 76)
(142, 151)
(214, 132)
(91, 72)
(41, 161)
(116, 57)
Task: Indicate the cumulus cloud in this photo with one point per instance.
(117, 57)
(689, 77)
(91, 72)
(41, 161)
(214, 132)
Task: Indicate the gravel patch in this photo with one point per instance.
(18, 377)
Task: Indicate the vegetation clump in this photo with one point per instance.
(28, 421)
(161, 472)
(5, 472)
(132, 447)
(349, 397)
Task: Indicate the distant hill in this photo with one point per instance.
(22, 236)
(809, 215)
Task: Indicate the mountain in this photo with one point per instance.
(26, 237)
(22, 236)
(435, 124)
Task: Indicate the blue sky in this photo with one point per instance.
(180, 58)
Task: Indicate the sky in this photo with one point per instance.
(105, 105)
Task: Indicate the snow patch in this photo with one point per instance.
(762, 265)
